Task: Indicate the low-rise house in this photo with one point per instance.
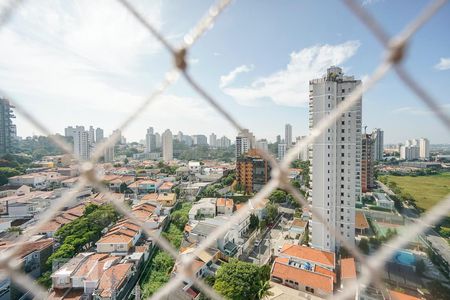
(113, 282)
(297, 228)
(35, 180)
(204, 208)
(144, 186)
(114, 182)
(61, 219)
(194, 167)
(361, 224)
(225, 206)
(305, 269)
(120, 238)
(26, 203)
(383, 200)
(167, 199)
(166, 187)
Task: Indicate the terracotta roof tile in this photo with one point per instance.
(311, 254)
(348, 268)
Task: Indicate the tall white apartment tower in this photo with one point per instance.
(288, 135)
(213, 140)
(167, 145)
(335, 159)
(91, 135)
(99, 135)
(424, 148)
(378, 143)
(81, 143)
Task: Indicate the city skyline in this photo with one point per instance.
(246, 83)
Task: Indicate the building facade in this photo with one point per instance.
(6, 126)
(282, 148)
(424, 148)
(335, 159)
(150, 140)
(252, 172)
(378, 144)
(367, 160)
(213, 140)
(244, 142)
(288, 135)
(81, 144)
(167, 145)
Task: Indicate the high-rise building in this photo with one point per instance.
(200, 139)
(224, 142)
(378, 144)
(278, 139)
(282, 148)
(213, 140)
(288, 135)
(91, 134)
(262, 144)
(150, 141)
(99, 135)
(252, 172)
(409, 152)
(157, 140)
(70, 131)
(335, 159)
(424, 148)
(6, 126)
(179, 136)
(108, 154)
(367, 160)
(304, 153)
(81, 145)
(187, 139)
(244, 142)
(167, 145)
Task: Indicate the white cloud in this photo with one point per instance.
(225, 80)
(444, 64)
(290, 86)
(419, 110)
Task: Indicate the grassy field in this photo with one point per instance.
(426, 190)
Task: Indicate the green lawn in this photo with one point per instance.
(426, 190)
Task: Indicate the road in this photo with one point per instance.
(271, 242)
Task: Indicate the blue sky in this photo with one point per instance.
(91, 63)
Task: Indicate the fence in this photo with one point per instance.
(395, 48)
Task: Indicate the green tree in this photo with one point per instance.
(364, 245)
(240, 280)
(179, 219)
(272, 211)
(254, 222)
(278, 196)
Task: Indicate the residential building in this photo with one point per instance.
(424, 148)
(335, 160)
(6, 126)
(305, 269)
(378, 143)
(297, 228)
(99, 135)
(262, 144)
(224, 142)
(179, 136)
(167, 199)
(367, 161)
(244, 142)
(194, 167)
(252, 171)
(157, 140)
(108, 154)
(288, 135)
(278, 139)
(409, 152)
(383, 200)
(150, 141)
(81, 143)
(204, 208)
(200, 139)
(91, 134)
(282, 149)
(167, 145)
(304, 153)
(213, 140)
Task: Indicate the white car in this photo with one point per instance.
(257, 243)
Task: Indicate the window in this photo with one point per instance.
(342, 154)
(343, 90)
(328, 88)
(342, 139)
(343, 130)
(342, 186)
(329, 105)
(342, 195)
(343, 123)
(343, 98)
(342, 147)
(328, 96)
